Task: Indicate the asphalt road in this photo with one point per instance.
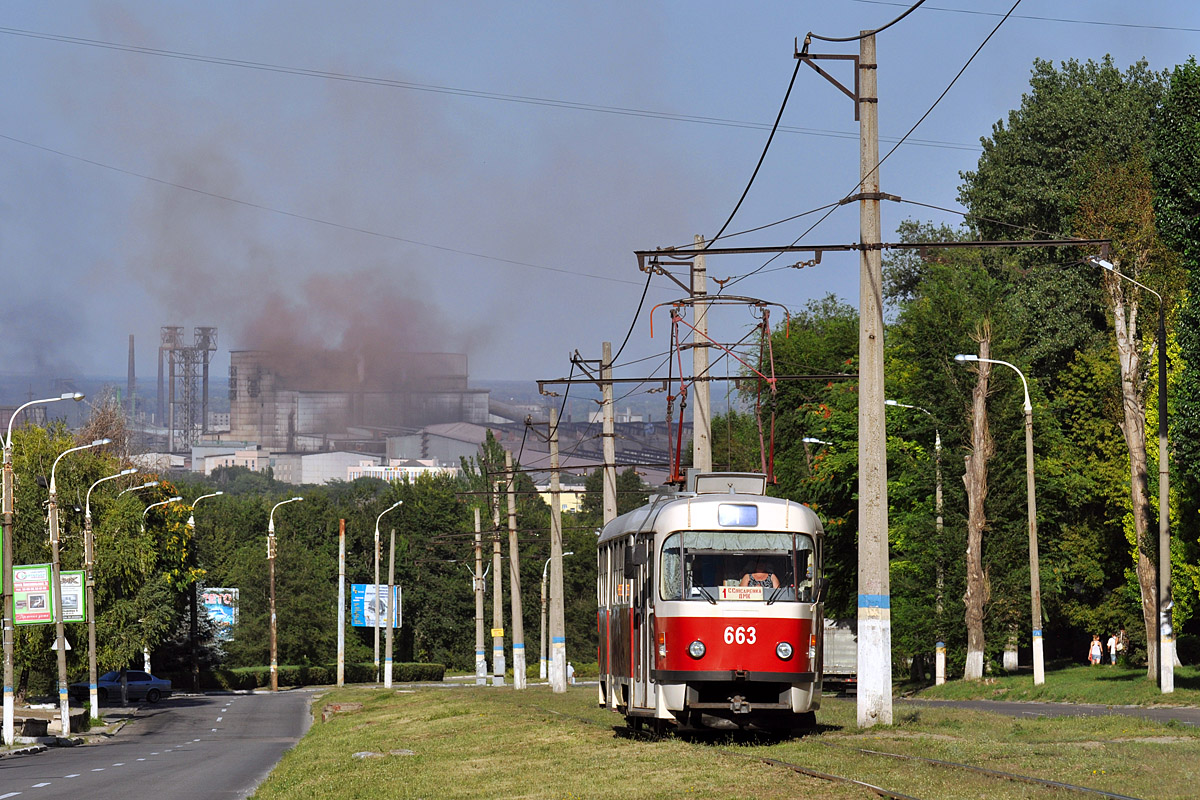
(194, 747)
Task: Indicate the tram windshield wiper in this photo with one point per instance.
(707, 596)
(775, 594)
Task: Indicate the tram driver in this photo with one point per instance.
(758, 573)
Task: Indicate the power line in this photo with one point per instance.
(308, 218)
(459, 91)
(1041, 19)
(922, 118)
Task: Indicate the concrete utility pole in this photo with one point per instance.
(393, 608)
(341, 608)
(480, 654)
(558, 640)
(609, 436)
(701, 404)
(874, 586)
(514, 575)
(498, 665)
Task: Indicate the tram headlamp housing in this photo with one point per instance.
(784, 650)
(696, 649)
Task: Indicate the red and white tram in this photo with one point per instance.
(684, 642)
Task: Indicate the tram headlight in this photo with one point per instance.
(783, 650)
(696, 649)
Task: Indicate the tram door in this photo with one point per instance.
(639, 566)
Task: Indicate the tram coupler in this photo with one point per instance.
(738, 705)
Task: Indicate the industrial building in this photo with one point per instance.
(315, 401)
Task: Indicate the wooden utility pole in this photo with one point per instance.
(874, 592)
(480, 654)
(498, 665)
(608, 435)
(701, 404)
(514, 575)
(558, 641)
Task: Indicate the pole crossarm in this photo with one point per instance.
(674, 252)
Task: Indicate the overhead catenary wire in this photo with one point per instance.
(922, 118)
(453, 90)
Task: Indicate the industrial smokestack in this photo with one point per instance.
(131, 381)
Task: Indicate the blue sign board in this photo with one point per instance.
(362, 605)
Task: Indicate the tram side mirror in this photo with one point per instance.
(635, 555)
(822, 588)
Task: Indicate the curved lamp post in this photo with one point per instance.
(6, 561)
(1166, 635)
(1035, 584)
(543, 661)
(194, 622)
(271, 580)
(89, 581)
(168, 501)
(64, 703)
(146, 485)
(939, 669)
(397, 504)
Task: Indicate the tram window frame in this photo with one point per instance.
(677, 563)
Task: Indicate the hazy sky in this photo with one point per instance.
(467, 176)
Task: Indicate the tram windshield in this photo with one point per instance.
(712, 566)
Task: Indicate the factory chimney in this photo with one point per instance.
(131, 382)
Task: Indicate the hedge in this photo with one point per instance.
(246, 678)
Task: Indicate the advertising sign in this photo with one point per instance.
(74, 605)
(222, 608)
(362, 605)
(33, 602)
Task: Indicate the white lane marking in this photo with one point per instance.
(72, 775)
(141, 759)
(195, 740)
(98, 769)
(218, 720)
(214, 730)
(154, 754)
(119, 764)
(10, 794)
(40, 785)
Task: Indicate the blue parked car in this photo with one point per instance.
(141, 686)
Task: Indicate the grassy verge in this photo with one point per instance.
(1114, 686)
(498, 743)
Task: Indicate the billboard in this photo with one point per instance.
(222, 608)
(74, 605)
(362, 604)
(33, 601)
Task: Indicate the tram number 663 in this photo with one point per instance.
(740, 635)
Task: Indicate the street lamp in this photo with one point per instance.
(376, 595)
(64, 703)
(168, 501)
(146, 485)
(6, 562)
(271, 579)
(89, 562)
(194, 621)
(545, 661)
(939, 669)
(1035, 584)
(1166, 635)
(807, 455)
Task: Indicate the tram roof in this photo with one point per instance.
(644, 518)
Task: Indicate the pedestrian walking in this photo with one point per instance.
(1112, 650)
(1094, 651)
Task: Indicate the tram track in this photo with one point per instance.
(649, 735)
